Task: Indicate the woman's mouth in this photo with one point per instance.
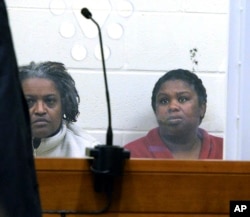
(174, 120)
(40, 122)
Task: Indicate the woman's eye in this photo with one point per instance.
(164, 101)
(183, 99)
(30, 102)
(50, 101)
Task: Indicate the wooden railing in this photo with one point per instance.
(148, 188)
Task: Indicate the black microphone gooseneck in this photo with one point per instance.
(108, 159)
(109, 139)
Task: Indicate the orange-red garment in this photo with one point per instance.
(152, 146)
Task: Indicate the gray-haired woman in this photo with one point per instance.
(53, 102)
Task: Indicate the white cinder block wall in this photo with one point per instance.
(142, 40)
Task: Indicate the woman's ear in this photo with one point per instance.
(203, 109)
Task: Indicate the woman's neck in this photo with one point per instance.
(183, 147)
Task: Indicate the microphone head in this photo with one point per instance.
(86, 13)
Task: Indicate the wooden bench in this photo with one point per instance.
(148, 188)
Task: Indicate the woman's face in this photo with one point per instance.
(45, 107)
(177, 107)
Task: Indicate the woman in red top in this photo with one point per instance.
(179, 101)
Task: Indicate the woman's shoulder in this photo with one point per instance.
(206, 135)
(142, 141)
(75, 131)
(212, 145)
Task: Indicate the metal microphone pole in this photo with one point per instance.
(108, 159)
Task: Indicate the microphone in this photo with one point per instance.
(109, 138)
(108, 159)
(86, 13)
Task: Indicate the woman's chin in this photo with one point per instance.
(41, 134)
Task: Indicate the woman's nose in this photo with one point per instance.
(40, 108)
(173, 105)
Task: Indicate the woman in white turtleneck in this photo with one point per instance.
(53, 102)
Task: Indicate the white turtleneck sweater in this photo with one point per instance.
(70, 141)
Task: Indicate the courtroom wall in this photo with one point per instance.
(142, 40)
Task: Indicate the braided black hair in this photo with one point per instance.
(65, 84)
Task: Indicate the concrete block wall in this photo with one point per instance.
(142, 40)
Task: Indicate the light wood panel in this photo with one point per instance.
(147, 188)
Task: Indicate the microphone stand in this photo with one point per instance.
(109, 139)
(108, 160)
